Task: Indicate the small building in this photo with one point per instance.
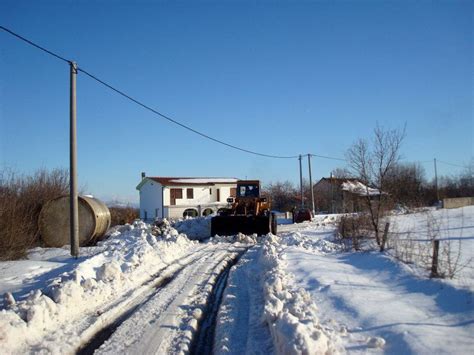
(342, 195)
(177, 197)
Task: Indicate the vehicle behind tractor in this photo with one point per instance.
(248, 213)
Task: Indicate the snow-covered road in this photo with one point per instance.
(240, 327)
(144, 292)
(298, 292)
(167, 321)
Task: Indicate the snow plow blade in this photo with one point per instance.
(231, 225)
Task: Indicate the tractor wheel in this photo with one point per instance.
(273, 224)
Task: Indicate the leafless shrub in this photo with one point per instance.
(354, 229)
(21, 200)
(123, 215)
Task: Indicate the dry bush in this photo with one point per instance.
(353, 229)
(21, 200)
(123, 215)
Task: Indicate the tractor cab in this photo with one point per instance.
(248, 188)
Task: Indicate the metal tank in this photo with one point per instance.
(94, 221)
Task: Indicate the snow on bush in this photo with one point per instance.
(289, 312)
(127, 259)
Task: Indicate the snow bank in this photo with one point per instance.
(195, 228)
(237, 238)
(290, 313)
(316, 245)
(128, 259)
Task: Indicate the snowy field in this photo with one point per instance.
(294, 293)
(372, 296)
(411, 240)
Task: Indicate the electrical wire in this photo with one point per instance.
(179, 123)
(144, 105)
(326, 157)
(35, 45)
(457, 165)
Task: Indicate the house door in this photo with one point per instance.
(174, 194)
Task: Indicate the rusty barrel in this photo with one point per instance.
(94, 221)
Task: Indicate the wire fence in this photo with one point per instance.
(443, 256)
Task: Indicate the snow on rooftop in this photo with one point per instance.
(356, 187)
(204, 180)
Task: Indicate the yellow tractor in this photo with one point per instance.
(247, 213)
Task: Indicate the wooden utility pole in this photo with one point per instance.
(73, 198)
(436, 181)
(434, 261)
(301, 183)
(311, 183)
(332, 193)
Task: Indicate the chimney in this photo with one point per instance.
(143, 175)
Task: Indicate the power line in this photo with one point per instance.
(326, 157)
(144, 105)
(457, 165)
(179, 123)
(35, 45)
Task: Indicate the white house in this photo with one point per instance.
(174, 197)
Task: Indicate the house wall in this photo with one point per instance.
(458, 202)
(150, 200)
(328, 198)
(204, 197)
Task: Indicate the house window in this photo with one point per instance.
(233, 192)
(218, 195)
(207, 212)
(175, 194)
(190, 212)
(210, 191)
(145, 217)
(189, 194)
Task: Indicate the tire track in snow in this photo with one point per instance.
(203, 341)
(240, 328)
(167, 322)
(105, 321)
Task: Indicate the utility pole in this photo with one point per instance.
(436, 181)
(332, 193)
(73, 198)
(301, 183)
(311, 183)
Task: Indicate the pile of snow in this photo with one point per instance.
(237, 238)
(290, 312)
(126, 260)
(316, 245)
(195, 228)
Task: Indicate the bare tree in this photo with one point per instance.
(404, 183)
(342, 173)
(371, 163)
(283, 195)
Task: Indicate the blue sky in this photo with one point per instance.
(280, 78)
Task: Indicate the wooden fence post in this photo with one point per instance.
(434, 263)
(384, 237)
